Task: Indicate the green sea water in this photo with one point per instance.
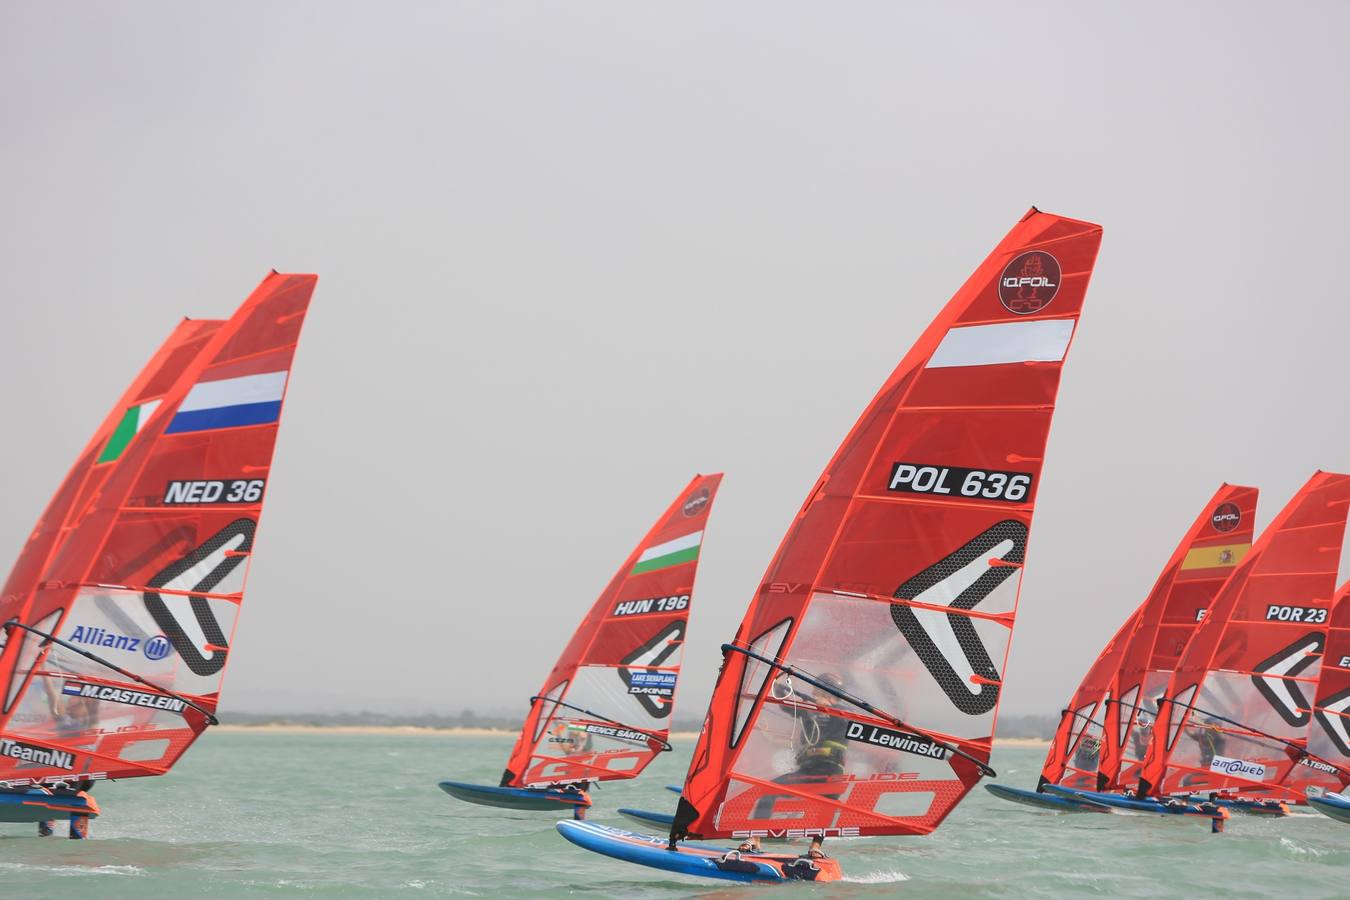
(336, 815)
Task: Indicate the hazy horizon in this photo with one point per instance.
(570, 255)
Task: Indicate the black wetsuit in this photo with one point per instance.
(1211, 744)
(1087, 754)
(818, 759)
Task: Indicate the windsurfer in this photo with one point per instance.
(1210, 738)
(819, 755)
(1088, 753)
(71, 717)
(1142, 734)
(574, 739)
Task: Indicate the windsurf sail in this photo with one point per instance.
(1329, 731)
(1237, 708)
(859, 695)
(604, 711)
(119, 614)
(1218, 540)
(1075, 754)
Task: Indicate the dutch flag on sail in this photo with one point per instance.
(230, 403)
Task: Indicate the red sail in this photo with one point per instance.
(1237, 708)
(142, 588)
(1075, 754)
(604, 712)
(860, 693)
(1329, 732)
(98, 458)
(1218, 540)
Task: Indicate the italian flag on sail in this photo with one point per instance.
(671, 553)
(133, 420)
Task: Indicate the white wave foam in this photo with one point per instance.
(876, 878)
(1299, 849)
(67, 871)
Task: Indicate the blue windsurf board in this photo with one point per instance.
(532, 799)
(689, 859)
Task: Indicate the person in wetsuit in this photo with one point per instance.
(574, 741)
(1141, 734)
(819, 757)
(1210, 739)
(1088, 753)
(71, 717)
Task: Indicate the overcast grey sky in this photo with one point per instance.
(572, 253)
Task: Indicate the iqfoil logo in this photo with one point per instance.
(1226, 517)
(1227, 765)
(1029, 282)
(695, 504)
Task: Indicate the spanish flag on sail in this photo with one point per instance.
(1206, 562)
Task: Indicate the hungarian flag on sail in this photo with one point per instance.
(859, 694)
(604, 711)
(682, 549)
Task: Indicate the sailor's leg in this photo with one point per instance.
(79, 828)
(46, 828)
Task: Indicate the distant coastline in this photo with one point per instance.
(1013, 730)
(455, 730)
(462, 731)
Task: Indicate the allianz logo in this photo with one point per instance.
(155, 648)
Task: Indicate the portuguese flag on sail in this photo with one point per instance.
(132, 422)
(671, 553)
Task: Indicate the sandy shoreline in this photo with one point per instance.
(477, 732)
